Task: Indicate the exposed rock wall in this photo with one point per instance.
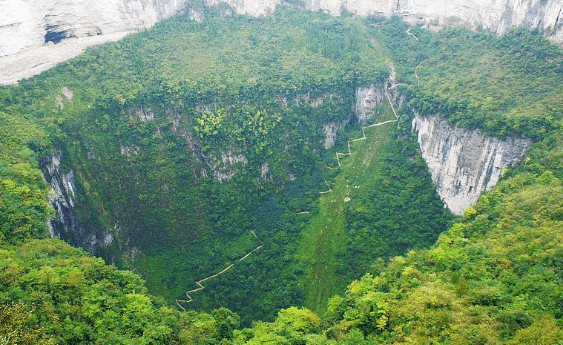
(29, 29)
(61, 197)
(31, 23)
(368, 100)
(331, 130)
(499, 16)
(64, 224)
(26, 26)
(464, 163)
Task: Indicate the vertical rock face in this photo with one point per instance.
(65, 225)
(31, 23)
(330, 130)
(497, 16)
(464, 163)
(35, 35)
(61, 197)
(368, 99)
(27, 26)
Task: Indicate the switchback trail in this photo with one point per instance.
(338, 154)
(324, 242)
(392, 80)
(199, 283)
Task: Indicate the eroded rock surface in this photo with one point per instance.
(464, 163)
(29, 28)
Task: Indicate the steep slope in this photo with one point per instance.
(29, 28)
(198, 166)
(494, 277)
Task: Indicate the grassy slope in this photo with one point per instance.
(325, 236)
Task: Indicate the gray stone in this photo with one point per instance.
(464, 163)
(27, 25)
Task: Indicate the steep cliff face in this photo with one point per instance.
(368, 100)
(464, 163)
(61, 197)
(28, 26)
(497, 16)
(65, 224)
(32, 32)
(31, 23)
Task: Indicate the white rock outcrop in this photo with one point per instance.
(64, 223)
(61, 197)
(368, 100)
(464, 163)
(27, 25)
(499, 16)
(32, 23)
(331, 130)
(29, 29)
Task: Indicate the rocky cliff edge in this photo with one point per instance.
(31, 31)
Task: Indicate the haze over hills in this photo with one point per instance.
(402, 185)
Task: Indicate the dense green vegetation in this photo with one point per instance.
(23, 194)
(187, 137)
(66, 296)
(199, 133)
(506, 86)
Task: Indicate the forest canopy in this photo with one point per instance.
(197, 148)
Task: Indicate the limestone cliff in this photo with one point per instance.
(368, 100)
(28, 26)
(31, 23)
(65, 224)
(464, 163)
(61, 197)
(35, 35)
(497, 16)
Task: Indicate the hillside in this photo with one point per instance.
(229, 159)
(39, 35)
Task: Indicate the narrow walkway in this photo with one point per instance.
(349, 153)
(199, 283)
(416, 74)
(393, 82)
(410, 33)
(338, 154)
